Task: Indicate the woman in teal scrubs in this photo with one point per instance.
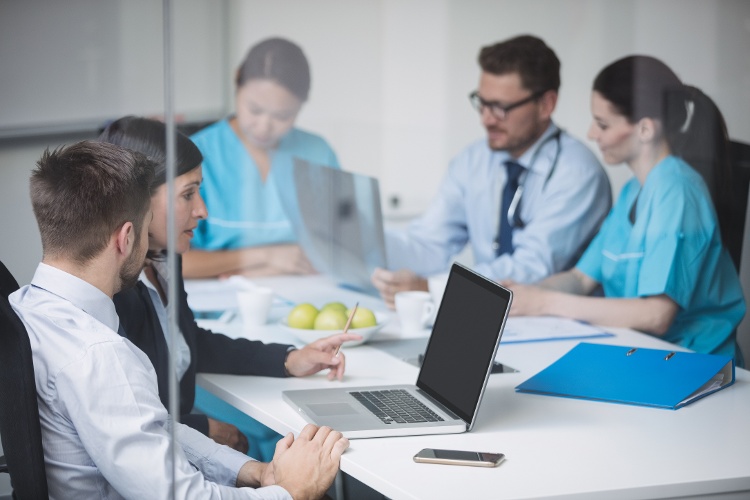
(247, 231)
(658, 255)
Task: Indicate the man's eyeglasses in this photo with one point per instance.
(498, 110)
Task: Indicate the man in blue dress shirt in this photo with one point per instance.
(528, 198)
(105, 433)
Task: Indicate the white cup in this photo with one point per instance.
(254, 305)
(436, 286)
(414, 309)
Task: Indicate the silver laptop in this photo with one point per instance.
(337, 219)
(451, 382)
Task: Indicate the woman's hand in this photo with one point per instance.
(227, 434)
(320, 355)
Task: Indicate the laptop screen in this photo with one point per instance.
(463, 341)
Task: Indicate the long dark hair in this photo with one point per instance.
(644, 87)
(279, 60)
(149, 137)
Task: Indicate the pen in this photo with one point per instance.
(346, 327)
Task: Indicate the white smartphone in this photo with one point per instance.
(459, 457)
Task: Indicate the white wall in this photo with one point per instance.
(391, 77)
(57, 78)
(20, 246)
(76, 67)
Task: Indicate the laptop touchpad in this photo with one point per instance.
(328, 409)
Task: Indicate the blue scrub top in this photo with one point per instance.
(673, 248)
(244, 211)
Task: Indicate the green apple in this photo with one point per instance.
(363, 318)
(334, 305)
(302, 316)
(330, 319)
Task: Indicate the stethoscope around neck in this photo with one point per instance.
(514, 212)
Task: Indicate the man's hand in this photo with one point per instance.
(307, 466)
(318, 356)
(227, 434)
(389, 283)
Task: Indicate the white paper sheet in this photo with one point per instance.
(538, 329)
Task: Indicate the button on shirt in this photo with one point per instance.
(561, 209)
(105, 434)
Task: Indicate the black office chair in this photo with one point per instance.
(743, 330)
(729, 192)
(20, 431)
(723, 164)
(731, 207)
(8, 283)
(730, 200)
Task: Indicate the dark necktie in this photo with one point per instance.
(504, 241)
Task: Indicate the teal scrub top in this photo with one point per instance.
(244, 211)
(673, 248)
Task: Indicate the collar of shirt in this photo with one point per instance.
(162, 274)
(182, 351)
(529, 160)
(78, 292)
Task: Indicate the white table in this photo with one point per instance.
(555, 447)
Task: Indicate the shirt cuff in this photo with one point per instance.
(231, 462)
(274, 492)
(286, 357)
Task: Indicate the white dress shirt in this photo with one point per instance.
(105, 434)
(566, 196)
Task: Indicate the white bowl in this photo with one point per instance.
(308, 336)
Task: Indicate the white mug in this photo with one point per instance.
(436, 286)
(414, 309)
(254, 305)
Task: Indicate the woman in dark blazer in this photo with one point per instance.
(142, 309)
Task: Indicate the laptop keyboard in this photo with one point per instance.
(396, 406)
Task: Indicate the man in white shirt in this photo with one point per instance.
(105, 433)
(528, 198)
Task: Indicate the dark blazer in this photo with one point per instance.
(209, 352)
